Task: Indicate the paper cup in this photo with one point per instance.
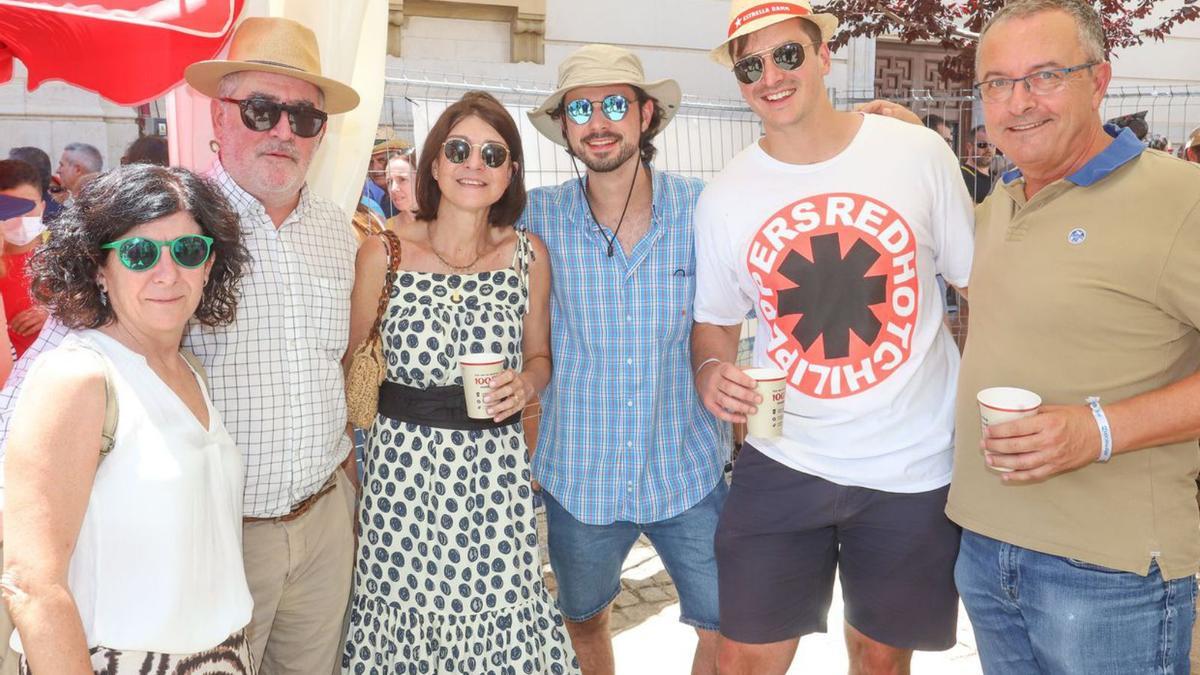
(1005, 404)
(772, 386)
(477, 373)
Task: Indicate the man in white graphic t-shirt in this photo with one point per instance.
(835, 244)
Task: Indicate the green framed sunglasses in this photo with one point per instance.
(140, 253)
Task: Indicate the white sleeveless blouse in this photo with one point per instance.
(158, 564)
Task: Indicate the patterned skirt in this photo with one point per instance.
(231, 657)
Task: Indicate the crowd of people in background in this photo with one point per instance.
(179, 481)
(35, 196)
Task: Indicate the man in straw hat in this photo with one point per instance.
(386, 147)
(836, 246)
(624, 446)
(276, 374)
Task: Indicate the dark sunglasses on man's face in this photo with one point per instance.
(982, 145)
(614, 107)
(141, 253)
(260, 114)
(458, 150)
(788, 56)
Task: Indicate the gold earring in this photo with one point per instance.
(214, 146)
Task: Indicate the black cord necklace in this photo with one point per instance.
(583, 187)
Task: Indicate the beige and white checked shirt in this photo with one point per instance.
(275, 374)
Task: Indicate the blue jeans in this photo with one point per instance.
(1039, 613)
(587, 559)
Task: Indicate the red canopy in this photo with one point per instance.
(128, 51)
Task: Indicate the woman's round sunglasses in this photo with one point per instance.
(260, 114)
(141, 253)
(457, 150)
(787, 56)
(614, 107)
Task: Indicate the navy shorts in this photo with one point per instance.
(783, 535)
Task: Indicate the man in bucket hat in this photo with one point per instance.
(275, 374)
(624, 446)
(837, 247)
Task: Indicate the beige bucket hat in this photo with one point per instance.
(273, 45)
(596, 66)
(387, 142)
(747, 16)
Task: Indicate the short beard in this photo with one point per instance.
(624, 152)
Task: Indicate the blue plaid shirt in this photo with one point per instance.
(623, 435)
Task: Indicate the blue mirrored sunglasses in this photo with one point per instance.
(614, 107)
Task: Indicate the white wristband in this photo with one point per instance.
(703, 363)
(1106, 441)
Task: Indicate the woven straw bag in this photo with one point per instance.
(367, 365)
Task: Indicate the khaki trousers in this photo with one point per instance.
(299, 574)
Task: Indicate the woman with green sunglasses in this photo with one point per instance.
(124, 491)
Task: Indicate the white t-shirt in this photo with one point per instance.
(839, 260)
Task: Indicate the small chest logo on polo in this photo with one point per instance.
(838, 288)
(1076, 236)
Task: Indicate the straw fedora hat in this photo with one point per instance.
(747, 16)
(597, 66)
(273, 45)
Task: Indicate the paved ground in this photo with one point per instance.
(648, 638)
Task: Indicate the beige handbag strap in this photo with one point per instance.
(194, 362)
(108, 433)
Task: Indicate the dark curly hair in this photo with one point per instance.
(63, 270)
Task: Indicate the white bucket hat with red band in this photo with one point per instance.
(747, 16)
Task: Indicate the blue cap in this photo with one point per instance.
(11, 207)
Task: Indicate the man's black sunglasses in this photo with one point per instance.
(260, 114)
(787, 56)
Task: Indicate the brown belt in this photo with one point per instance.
(301, 508)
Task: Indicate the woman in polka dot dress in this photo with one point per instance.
(448, 576)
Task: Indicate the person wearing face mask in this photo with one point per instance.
(10, 207)
(22, 234)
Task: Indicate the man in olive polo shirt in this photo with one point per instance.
(1086, 283)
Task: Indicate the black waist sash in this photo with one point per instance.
(444, 407)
